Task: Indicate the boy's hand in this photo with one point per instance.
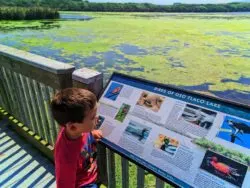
(97, 134)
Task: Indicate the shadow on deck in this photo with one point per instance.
(21, 165)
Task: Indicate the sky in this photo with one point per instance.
(169, 2)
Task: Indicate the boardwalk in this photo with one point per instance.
(21, 165)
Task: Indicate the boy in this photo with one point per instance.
(75, 149)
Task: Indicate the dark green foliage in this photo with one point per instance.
(32, 13)
(233, 154)
(79, 5)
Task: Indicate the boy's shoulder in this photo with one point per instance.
(63, 141)
(65, 146)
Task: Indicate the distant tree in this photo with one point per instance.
(79, 5)
(20, 13)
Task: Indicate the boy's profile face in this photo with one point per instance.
(89, 122)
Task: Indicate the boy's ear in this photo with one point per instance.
(71, 126)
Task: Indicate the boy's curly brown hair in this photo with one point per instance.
(72, 105)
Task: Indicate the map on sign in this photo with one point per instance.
(188, 139)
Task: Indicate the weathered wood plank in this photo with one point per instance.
(159, 183)
(41, 111)
(56, 127)
(11, 78)
(27, 102)
(23, 101)
(3, 93)
(8, 91)
(21, 164)
(51, 124)
(111, 168)
(47, 71)
(140, 177)
(125, 173)
(102, 164)
(38, 126)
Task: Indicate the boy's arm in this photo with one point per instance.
(66, 175)
(97, 134)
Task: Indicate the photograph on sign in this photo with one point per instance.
(235, 131)
(150, 101)
(224, 168)
(122, 113)
(100, 120)
(137, 132)
(198, 116)
(166, 144)
(113, 91)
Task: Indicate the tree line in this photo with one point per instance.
(79, 5)
(30, 13)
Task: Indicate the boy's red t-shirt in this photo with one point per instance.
(75, 160)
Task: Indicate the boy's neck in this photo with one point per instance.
(72, 135)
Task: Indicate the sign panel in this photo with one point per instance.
(188, 139)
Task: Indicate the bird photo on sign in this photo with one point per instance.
(224, 168)
(235, 131)
(113, 91)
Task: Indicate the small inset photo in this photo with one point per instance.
(198, 116)
(113, 91)
(122, 113)
(224, 168)
(100, 120)
(235, 131)
(137, 132)
(150, 101)
(166, 144)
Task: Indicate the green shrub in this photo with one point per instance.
(32, 13)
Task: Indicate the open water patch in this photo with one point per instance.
(241, 80)
(156, 50)
(234, 95)
(102, 60)
(132, 49)
(202, 87)
(75, 17)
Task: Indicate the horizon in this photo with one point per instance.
(171, 2)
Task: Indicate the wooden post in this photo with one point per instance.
(125, 173)
(140, 177)
(159, 183)
(111, 169)
(89, 79)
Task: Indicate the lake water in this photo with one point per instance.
(207, 53)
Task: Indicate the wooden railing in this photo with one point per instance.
(27, 84)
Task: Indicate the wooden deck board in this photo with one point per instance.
(21, 165)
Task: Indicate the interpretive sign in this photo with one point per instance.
(188, 139)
